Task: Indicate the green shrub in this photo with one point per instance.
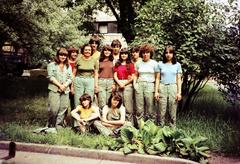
(155, 140)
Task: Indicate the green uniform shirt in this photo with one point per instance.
(86, 67)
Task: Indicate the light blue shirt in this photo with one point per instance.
(168, 72)
(147, 70)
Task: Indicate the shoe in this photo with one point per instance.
(116, 132)
(40, 130)
(77, 129)
(51, 130)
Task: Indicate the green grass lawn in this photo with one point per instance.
(22, 112)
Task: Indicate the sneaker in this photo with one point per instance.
(51, 130)
(40, 130)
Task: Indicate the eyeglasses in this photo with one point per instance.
(62, 54)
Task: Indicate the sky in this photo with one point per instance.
(226, 1)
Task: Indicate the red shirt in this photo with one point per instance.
(72, 64)
(123, 72)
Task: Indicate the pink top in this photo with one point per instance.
(105, 69)
(123, 72)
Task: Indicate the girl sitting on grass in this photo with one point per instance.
(84, 114)
(113, 117)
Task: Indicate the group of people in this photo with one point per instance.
(114, 87)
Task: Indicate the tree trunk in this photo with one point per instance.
(126, 18)
(126, 22)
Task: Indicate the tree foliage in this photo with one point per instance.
(229, 56)
(43, 26)
(197, 30)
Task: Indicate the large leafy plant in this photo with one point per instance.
(155, 140)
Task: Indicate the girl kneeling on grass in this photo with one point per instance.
(84, 114)
(113, 116)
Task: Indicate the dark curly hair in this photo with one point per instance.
(147, 48)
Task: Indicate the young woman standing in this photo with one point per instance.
(105, 80)
(123, 75)
(86, 74)
(95, 43)
(168, 87)
(144, 83)
(60, 77)
(72, 58)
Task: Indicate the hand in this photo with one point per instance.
(157, 96)
(135, 85)
(62, 88)
(122, 86)
(130, 77)
(96, 89)
(113, 87)
(82, 121)
(102, 119)
(72, 91)
(178, 97)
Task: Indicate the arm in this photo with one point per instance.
(131, 73)
(52, 78)
(96, 76)
(117, 80)
(75, 115)
(135, 77)
(74, 72)
(130, 79)
(96, 81)
(179, 87)
(69, 78)
(157, 81)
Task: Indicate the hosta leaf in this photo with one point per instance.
(158, 137)
(146, 138)
(205, 154)
(152, 152)
(203, 148)
(126, 135)
(183, 152)
(127, 150)
(133, 146)
(161, 147)
(141, 150)
(150, 127)
(167, 131)
(199, 140)
(187, 141)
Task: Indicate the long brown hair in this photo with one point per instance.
(172, 50)
(102, 55)
(120, 60)
(115, 96)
